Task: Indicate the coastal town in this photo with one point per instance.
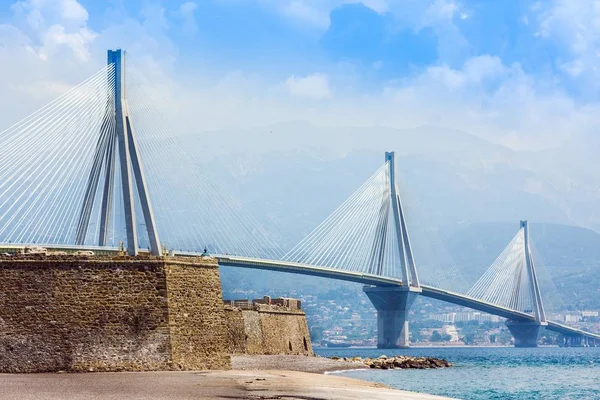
(342, 320)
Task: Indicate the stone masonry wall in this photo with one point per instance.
(110, 314)
(285, 333)
(268, 330)
(199, 338)
(253, 330)
(234, 321)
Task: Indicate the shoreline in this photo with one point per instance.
(252, 377)
(233, 384)
(321, 365)
(309, 364)
(341, 371)
(417, 346)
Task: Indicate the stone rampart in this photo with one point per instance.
(268, 328)
(75, 313)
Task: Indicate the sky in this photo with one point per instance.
(516, 72)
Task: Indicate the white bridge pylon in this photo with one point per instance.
(367, 233)
(511, 281)
(118, 132)
(81, 171)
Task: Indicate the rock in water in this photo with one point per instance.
(402, 362)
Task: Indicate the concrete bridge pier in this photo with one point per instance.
(525, 333)
(562, 340)
(392, 304)
(579, 341)
(569, 341)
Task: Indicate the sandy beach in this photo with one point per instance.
(260, 377)
(292, 363)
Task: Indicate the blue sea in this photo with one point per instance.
(491, 372)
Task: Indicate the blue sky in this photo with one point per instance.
(399, 37)
(518, 72)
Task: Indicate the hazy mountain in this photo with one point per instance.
(567, 260)
(453, 185)
(298, 174)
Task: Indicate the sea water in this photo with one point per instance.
(491, 372)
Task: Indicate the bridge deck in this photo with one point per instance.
(367, 279)
(357, 277)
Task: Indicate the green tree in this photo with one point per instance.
(468, 338)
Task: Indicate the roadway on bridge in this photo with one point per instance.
(369, 279)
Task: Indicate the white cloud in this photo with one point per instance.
(315, 86)
(492, 100)
(47, 47)
(441, 11)
(187, 13)
(475, 71)
(574, 28)
(154, 18)
(485, 66)
(71, 10)
(405, 14)
(56, 36)
(54, 25)
(315, 13)
(449, 78)
(484, 96)
(306, 12)
(574, 68)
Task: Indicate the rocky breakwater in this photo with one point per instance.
(399, 362)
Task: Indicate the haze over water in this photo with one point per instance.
(492, 372)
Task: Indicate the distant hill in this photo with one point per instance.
(453, 185)
(567, 260)
(299, 173)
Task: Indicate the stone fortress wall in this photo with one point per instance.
(109, 313)
(80, 313)
(267, 326)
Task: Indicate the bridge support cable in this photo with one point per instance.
(511, 282)
(345, 239)
(192, 208)
(131, 170)
(506, 281)
(553, 300)
(429, 243)
(367, 233)
(107, 192)
(379, 243)
(409, 269)
(534, 287)
(50, 156)
(61, 154)
(107, 136)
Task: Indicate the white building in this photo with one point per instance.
(572, 318)
(454, 317)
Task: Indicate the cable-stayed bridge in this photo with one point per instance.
(100, 165)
